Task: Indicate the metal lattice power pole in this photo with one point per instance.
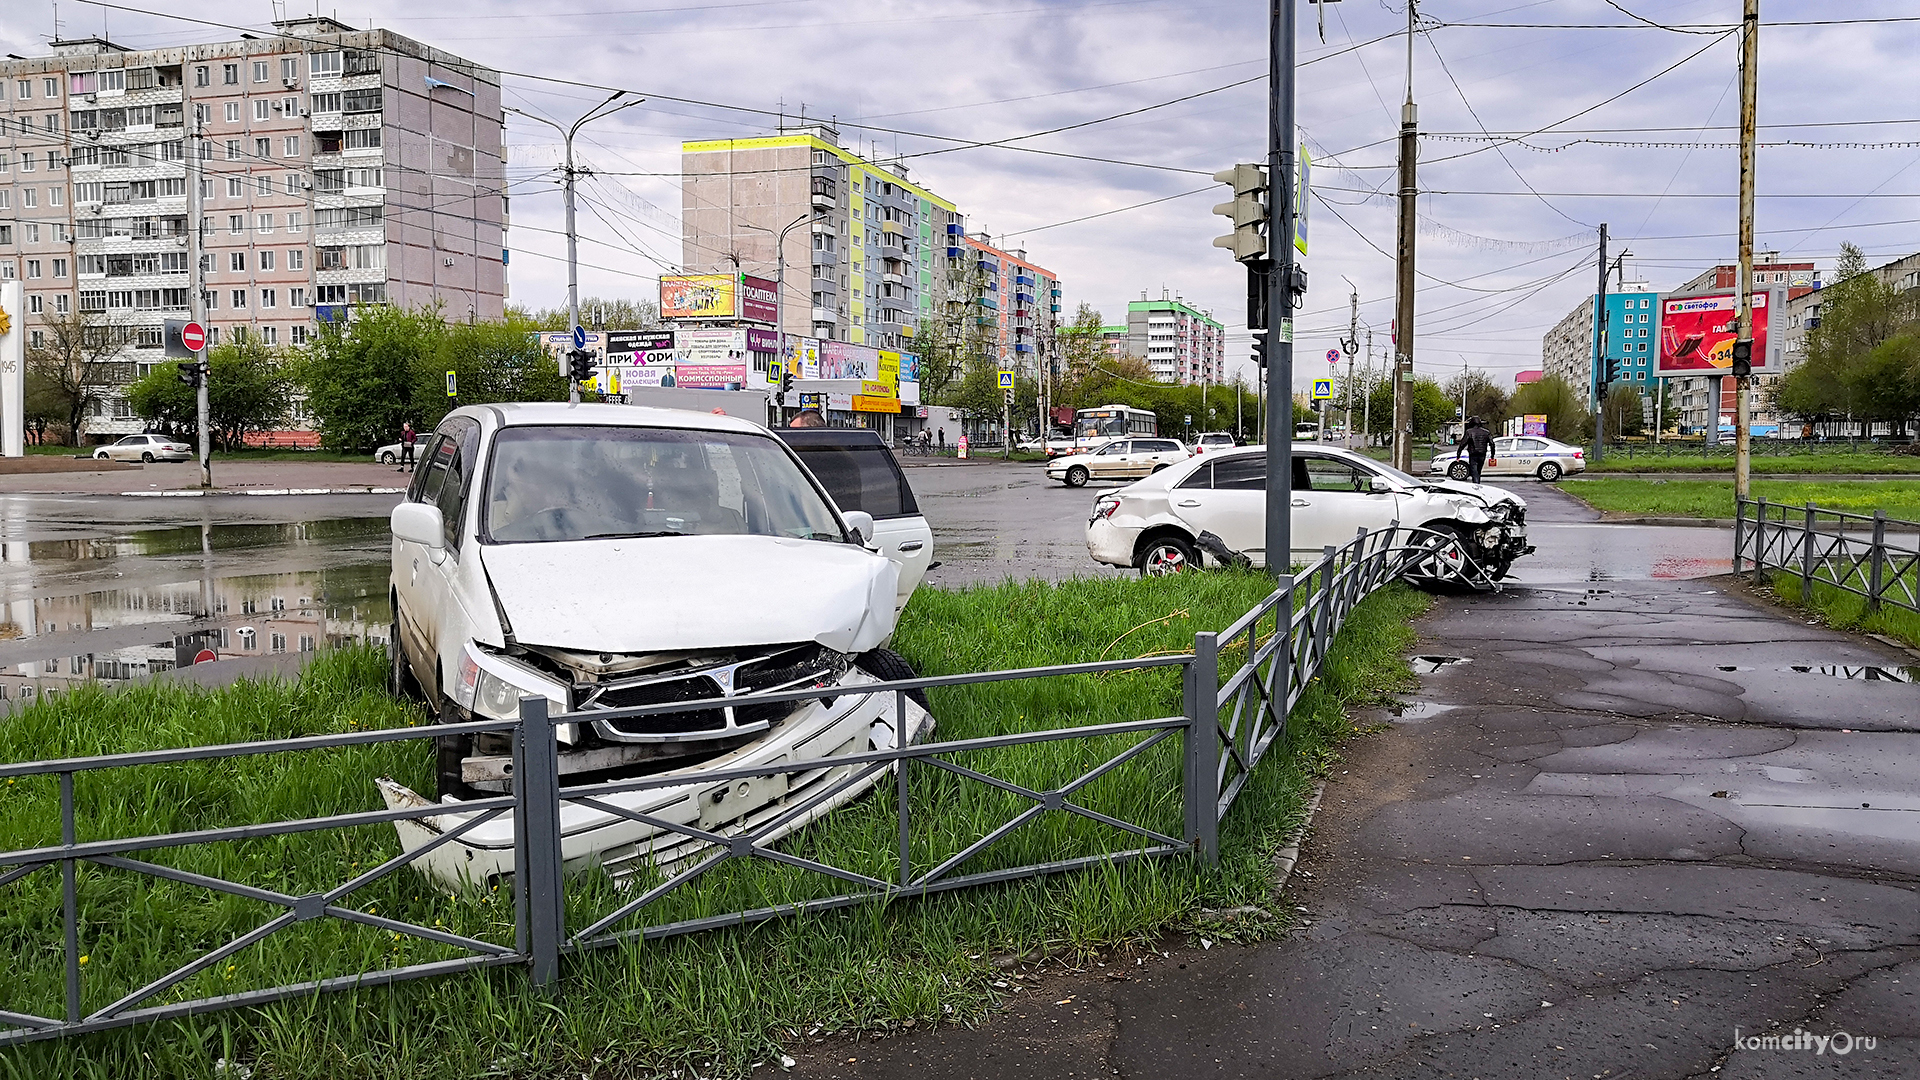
(1404, 255)
(1743, 345)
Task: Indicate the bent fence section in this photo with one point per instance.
(1871, 556)
(1034, 802)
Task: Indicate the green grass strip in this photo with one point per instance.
(715, 1002)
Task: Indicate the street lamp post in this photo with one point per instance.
(598, 112)
(780, 283)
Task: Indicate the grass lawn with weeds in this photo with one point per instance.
(1843, 610)
(1839, 461)
(1714, 498)
(717, 1002)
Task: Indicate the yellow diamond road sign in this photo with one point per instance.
(1322, 389)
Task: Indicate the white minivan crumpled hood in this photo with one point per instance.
(660, 594)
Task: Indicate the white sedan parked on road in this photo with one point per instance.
(1518, 455)
(1121, 459)
(146, 448)
(1155, 524)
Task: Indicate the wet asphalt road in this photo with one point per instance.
(1626, 831)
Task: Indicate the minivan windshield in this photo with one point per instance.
(581, 482)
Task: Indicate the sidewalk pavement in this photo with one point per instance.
(278, 476)
(1644, 817)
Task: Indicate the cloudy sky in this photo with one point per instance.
(1507, 225)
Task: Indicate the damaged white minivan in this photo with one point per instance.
(607, 557)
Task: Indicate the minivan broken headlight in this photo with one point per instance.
(491, 686)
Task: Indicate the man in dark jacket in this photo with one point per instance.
(1478, 440)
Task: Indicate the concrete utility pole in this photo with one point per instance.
(568, 174)
(1743, 344)
(1366, 401)
(1350, 345)
(197, 300)
(1403, 307)
(1597, 382)
(1280, 286)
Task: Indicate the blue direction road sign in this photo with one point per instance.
(579, 337)
(1322, 389)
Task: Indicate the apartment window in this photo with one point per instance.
(262, 110)
(230, 74)
(37, 339)
(263, 222)
(293, 183)
(326, 103)
(279, 640)
(290, 106)
(60, 271)
(266, 259)
(26, 162)
(263, 185)
(263, 148)
(233, 149)
(30, 232)
(202, 76)
(236, 224)
(270, 336)
(260, 68)
(233, 112)
(56, 196)
(29, 198)
(290, 146)
(23, 89)
(5, 161)
(296, 297)
(266, 297)
(327, 63)
(296, 223)
(235, 187)
(60, 302)
(299, 334)
(50, 87)
(239, 298)
(237, 261)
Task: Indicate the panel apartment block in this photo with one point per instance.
(336, 167)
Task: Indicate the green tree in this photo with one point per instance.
(75, 367)
(492, 361)
(364, 381)
(616, 313)
(1840, 375)
(1563, 406)
(249, 389)
(1485, 398)
(1625, 411)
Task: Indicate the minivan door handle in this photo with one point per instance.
(912, 545)
(1301, 502)
(1188, 502)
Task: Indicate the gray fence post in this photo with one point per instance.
(1806, 556)
(1202, 750)
(1739, 535)
(1877, 561)
(1759, 538)
(537, 835)
(1329, 575)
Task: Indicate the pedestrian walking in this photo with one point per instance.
(943, 440)
(407, 439)
(1478, 441)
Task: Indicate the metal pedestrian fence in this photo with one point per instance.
(1871, 556)
(1110, 792)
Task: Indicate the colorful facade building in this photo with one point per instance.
(1015, 302)
(1179, 342)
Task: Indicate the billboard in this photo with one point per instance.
(639, 358)
(699, 296)
(841, 360)
(803, 357)
(764, 341)
(714, 359)
(1697, 333)
(1533, 424)
(759, 299)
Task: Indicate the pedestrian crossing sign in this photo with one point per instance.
(1322, 389)
(1006, 380)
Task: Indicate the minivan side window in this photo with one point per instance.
(426, 481)
(452, 496)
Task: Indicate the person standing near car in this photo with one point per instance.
(1477, 440)
(407, 438)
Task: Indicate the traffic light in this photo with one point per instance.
(580, 365)
(1248, 211)
(1742, 359)
(191, 373)
(1616, 370)
(1260, 351)
(786, 381)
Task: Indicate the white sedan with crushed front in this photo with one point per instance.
(606, 557)
(1161, 524)
(1517, 455)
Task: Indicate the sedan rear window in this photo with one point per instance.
(861, 478)
(547, 484)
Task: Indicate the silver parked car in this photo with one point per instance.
(146, 448)
(1518, 455)
(1121, 459)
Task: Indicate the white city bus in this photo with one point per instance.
(1094, 428)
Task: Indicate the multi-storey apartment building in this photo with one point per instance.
(334, 167)
(1015, 301)
(854, 243)
(1179, 342)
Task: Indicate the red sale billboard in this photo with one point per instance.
(1697, 333)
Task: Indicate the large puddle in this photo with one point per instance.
(125, 604)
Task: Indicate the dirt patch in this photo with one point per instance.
(47, 463)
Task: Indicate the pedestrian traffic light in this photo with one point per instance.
(191, 373)
(1248, 211)
(1260, 351)
(580, 365)
(1742, 359)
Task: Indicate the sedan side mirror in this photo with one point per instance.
(1381, 486)
(419, 523)
(860, 524)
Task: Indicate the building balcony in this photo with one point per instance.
(988, 302)
(954, 253)
(896, 227)
(892, 279)
(954, 228)
(989, 265)
(1022, 347)
(1023, 279)
(825, 202)
(825, 315)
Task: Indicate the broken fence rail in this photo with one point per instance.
(1226, 727)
